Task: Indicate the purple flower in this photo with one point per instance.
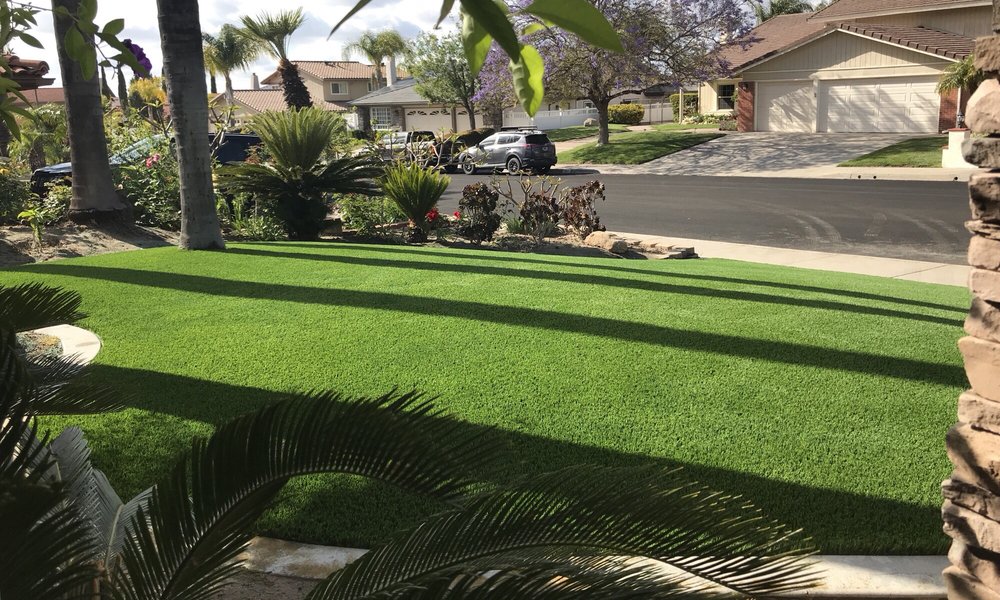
(140, 57)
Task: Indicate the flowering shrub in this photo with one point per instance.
(578, 205)
(365, 214)
(626, 114)
(478, 217)
(153, 188)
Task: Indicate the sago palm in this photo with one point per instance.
(229, 51)
(416, 191)
(274, 33)
(299, 178)
(581, 532)
(376, 47)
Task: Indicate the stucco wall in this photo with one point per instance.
(708, 97)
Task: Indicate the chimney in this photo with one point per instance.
(254, 81)
(392, 70)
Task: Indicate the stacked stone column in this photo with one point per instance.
(971, 509)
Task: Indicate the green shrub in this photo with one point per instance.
(365, 214)
(248, 220)
(690, 104)
(626, 114)
(416, 192)
(479, 218)
(153, 187)
(14, 196)
(728, 124)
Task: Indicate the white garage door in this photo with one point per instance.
(786, 106)
(427, 119)
(895, 105)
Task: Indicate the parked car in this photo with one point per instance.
(232, 148)
(514, 150)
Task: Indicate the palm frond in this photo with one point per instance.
(645, 513)
(229, 51)
(962, 75)
(33, 305)
(297, 139)
(62, 386)
(273, 31)
(184, 543)
(414, 189)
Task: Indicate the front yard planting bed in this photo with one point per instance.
(635, 148)
(917, 152)
(822, 397)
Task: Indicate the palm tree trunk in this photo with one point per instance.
(212, 86)
(122, 91)
(230, 94)
(94, 194)
(184, 69)
(296, 93)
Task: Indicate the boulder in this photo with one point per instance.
(983, 321)
(982, 151)
(984, 196)
(983, 110)
(984, 253)
(982, 366)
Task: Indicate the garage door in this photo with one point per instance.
(428, 119)
(786, 106)
(896, 105)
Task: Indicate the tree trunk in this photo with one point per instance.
(122, 91)
(94, 194)
(230, 94)
(603, 135)
(472, 116)
(184, 69)
(296, 93)
(5, 137)
(213, 87)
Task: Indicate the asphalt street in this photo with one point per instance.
(917, 220)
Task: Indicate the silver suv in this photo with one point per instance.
(514, 150)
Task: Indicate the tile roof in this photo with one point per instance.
(30, 74)
(846, 9)
(770, 37)
(329, 69)
(403, 91)
(941, 43)
(274, 99)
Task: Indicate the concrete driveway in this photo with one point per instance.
(764, 154)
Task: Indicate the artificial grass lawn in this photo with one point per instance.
(917, 152)
(635, 148)
(683, 126)
(822, 397)
(577, 133)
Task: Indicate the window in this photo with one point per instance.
(381, 117)
(489, 141)
(338, 88)
(727, 96)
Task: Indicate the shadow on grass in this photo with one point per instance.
(512, 257)
(839, 521)
(590, 279)
(657, 335)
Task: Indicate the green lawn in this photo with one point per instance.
(917, 152)
(635, 148)
(577, 133)
(822, 397)
(682, 127)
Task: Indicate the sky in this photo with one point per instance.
(409, 17)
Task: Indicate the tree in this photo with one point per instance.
(184, 70)
(94, 194)
(442, 72)
(377, 47)
(273, 33)
(961, 75)
(227, 52)
(766, 10)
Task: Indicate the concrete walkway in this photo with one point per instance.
(895, 268)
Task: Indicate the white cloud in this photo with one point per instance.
(409, 17)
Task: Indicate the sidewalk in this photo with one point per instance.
(895, 268)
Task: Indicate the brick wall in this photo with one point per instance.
(744, 106)
(949, 110)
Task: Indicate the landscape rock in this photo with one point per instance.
(985, 283)
(970, 527)
(607, 241)
(963, 586)
(984, 192)
(984, 253)
(972, 497)
(987, 54)
(983, 321)
(982, 366)
(976, 456)
(982, 151)
(980, 413)
(983, 110)
(984, 229)
(979, 563)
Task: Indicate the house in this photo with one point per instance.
(41, 96)
(399, 106)
(331, 84)
(28, 74)
(854, 66)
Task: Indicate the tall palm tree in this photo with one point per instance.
(94, 194)
(377, 47)
(187, 94)
(273, 33)
(227, 52)
(766, 10)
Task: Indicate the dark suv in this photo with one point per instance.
(522, 149)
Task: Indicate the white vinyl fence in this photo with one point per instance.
(556, 119)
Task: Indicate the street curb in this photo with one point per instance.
(850, 577)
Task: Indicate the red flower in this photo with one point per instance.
(433, 215)
(458, 214)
